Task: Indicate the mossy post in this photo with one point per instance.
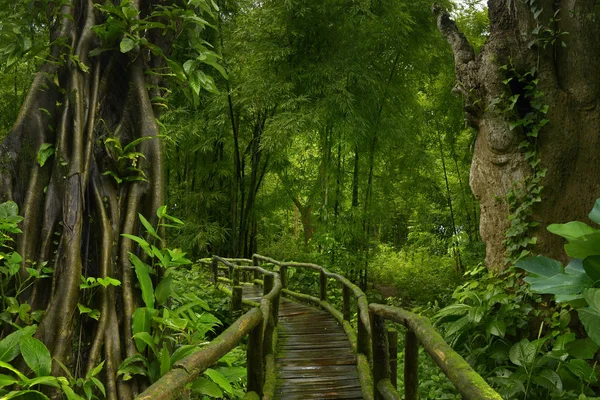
(215, 270)
(236, 300)
(362, 338)
(256, 263)
(255, 367)
(283, 276)
(346, 302)
(381, 357)
(323, 286)
(411, 366)
(393, 352)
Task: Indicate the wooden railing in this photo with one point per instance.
(374, 345)
(259, 323)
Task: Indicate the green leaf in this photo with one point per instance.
(142, 322)
(7, 380)
(594, 215)
(13, 369)
(165, 360)
(143, 274)
(205, 387)
(592, 296)
(182, 352)
(161, 211)
(196, 81)
(522, 353)
(71, 395)
(584, 246)
(45, 380)
(44, 153)
(219, 379)
(549, 380)
(9, 346)
(163, 289)
(95, 371)
(561, 284)
(141, 242)
(147, 338)
(540, 265)
(591, 265)
(582, 370)
(148, 226)
(36, 355)
(25, 393)
(99, 385)
(496, 328)
(590, 319)
(582, 348)
(127, 44)
(571, 230)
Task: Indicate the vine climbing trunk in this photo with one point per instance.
(535, 104)
(65, 165)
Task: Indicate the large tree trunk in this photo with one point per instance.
(75, 111)
(568, 144)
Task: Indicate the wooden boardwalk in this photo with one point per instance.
(314, 358)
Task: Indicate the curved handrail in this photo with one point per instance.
(372, 341)
(259, 323)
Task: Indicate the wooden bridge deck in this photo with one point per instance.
(314, 358)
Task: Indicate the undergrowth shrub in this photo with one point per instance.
(418, 275)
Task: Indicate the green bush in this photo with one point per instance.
(418, 275)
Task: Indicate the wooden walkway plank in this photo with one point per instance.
(314, 358)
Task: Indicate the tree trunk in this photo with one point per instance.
(84, 191)
(568, 145)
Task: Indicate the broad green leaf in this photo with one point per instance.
(591, 265)
(496, 328)
(197, 81)
(7, 380)
(591, 322)
(540, 265)
(147, 338)
(165, 360)
(592, 296)
(161, 211)
(561, 284)
(99, 385)
(142, 321)
(163, 289)
(189, 66)
(594, 215)
(183, 352)
(31, 394)
(36, 355)
(71, 395)
(127, 44)
(233, 374)
(44, 380)
(582, 348)
(219, 379)
(206, 387)
(9, 346)
(522, 353)
(549, 380)
(9, 210)
(582, 370)
(143, 274)
(571, 230)
(13, 369)
(585, 246)
(44, 153)
(177, 324)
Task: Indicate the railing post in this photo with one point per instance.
(346, 305)
(323, 286)
(236, 277)
(236, 300)
(393, 352)
(255, 372)
(256, 263)
(215, 270)
(267, 284)
(381, 357)
(411, 366)
(362, 338)
(283, 276)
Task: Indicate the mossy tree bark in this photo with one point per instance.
(570, 83)
(75, 103)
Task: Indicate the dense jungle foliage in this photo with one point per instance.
(314, 131)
